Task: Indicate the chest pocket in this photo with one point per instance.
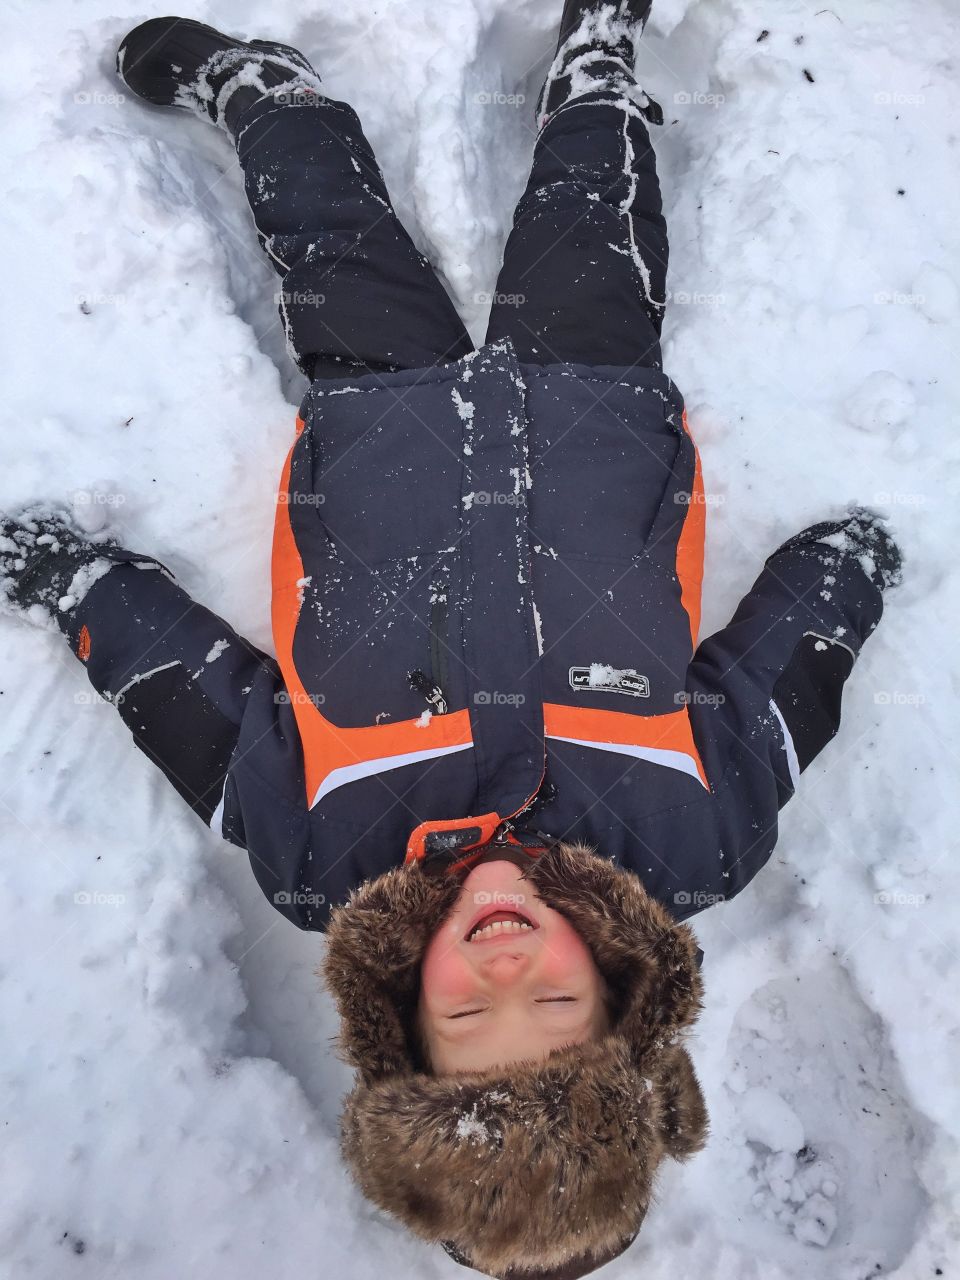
(604, 463)
(387, 472)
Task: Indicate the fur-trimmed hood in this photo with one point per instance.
(542, 1168)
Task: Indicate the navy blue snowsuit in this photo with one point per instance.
(487, 563)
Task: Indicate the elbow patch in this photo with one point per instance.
(180, 729)
(808, 693)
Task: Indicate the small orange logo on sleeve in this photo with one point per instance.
(83, 644)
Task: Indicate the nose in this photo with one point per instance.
(506, 967)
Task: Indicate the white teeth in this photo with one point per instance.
(499, 926)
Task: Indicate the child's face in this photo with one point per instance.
(509, 994)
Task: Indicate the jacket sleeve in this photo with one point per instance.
(764, 692)
(180, 678)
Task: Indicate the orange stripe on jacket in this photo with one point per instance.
(690, 546)
(326, 746)
(669, 732)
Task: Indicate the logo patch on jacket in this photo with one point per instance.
(599, 678)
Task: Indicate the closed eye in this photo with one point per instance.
(469, 1013)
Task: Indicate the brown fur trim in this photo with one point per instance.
(541, 1164)
(684, 1114)
(552, 1162)
(375, 943)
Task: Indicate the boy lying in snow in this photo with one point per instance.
(486, 584)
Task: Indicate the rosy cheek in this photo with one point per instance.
(566, 957)
(444, 974)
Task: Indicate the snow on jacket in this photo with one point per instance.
(486, 600)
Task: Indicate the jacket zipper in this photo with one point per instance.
(432, 686)
(438, 640)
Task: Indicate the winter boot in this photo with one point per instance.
(175, 62)
(597, 49)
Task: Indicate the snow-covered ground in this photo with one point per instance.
(167, 1085)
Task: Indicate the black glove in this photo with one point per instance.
(41, 555)
(861, 534)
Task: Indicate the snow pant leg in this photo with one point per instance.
(177, 674)
(585, 266)
(357, 295)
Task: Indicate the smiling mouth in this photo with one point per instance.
(500, 924)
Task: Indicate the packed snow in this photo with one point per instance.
(168, 1082)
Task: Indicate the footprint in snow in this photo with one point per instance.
(827, 1140)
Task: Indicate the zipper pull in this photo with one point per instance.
(432, 692)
